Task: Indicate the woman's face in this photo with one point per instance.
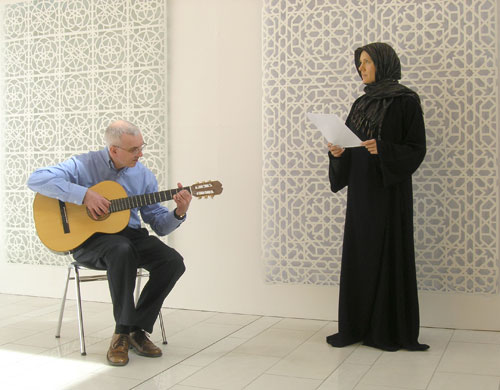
(366, 68)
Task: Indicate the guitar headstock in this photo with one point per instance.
(206, 189)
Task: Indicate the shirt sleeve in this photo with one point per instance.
(160, 218)
(59, 182)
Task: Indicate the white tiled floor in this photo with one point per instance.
(230, 351)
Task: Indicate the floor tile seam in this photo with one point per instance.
(298, 346)
(242, 326)
(197, 352)
(92, 333)
(278, 375)
(190, 386)
(116, 375)
(372, 366)
(440, 359)
(467, 373)
(231, 314)
(301, 344)
(14, 323)
(22, 338)
(165, 319)
(77, 349)
(258, 333)
(253, 355)
(71, 382)
(196, 387)
(32, 310)
(97, 340)
(340, 365)
(293, 376)
(475, 342)
(75, 340)
(214, 313)
(111, 377)
(21, 298)
(46, 308)
(143, 381)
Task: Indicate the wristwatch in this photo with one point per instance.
(179, 217)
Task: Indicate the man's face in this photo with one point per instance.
(128, 152)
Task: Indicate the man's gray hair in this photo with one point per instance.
(116, 129)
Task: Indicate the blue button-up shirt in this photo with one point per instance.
(69, 181)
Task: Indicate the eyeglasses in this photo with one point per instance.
(135, 150)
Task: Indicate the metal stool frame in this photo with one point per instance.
(75, 267)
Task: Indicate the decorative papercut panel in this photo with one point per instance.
(70, 67)
(448, 51)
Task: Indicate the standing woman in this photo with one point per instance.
(378, 302)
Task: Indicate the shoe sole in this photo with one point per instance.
(144, 354)
(116, 364)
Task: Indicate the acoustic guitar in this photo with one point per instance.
(64, 226)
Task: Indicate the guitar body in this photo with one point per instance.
(49, 222)
(64, 226)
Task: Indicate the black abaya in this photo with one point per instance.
(378, 302)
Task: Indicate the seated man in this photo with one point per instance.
(121, 254)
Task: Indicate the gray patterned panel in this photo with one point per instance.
(69, 68)
(448, 50)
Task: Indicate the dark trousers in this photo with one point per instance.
(121, 255)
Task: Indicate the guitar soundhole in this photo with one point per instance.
(99, 218)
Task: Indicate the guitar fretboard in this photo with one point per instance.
(144, 200)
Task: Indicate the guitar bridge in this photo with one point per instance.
(64, 216)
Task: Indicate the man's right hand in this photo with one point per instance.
(96, 204)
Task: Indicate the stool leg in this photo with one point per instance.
(162, 326)
(138, 285)
(80, 315)
(63, 302)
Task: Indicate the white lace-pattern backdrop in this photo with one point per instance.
(448, 51)
(69, 68)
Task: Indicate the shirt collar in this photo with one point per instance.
(112, 164)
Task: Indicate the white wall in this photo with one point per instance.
(215, 133)
(215, 92)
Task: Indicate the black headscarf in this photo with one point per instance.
(370, 110)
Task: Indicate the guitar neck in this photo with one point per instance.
(132, 202)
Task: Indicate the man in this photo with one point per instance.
(123, 253)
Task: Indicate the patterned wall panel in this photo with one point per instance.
(448, 50)
(70, 67)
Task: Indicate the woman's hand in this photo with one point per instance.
(371, 146)
(335, 150)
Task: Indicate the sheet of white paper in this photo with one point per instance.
(334, 130)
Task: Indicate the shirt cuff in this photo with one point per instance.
(179, 217)
(77, 194)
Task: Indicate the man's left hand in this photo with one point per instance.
(182, 199)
